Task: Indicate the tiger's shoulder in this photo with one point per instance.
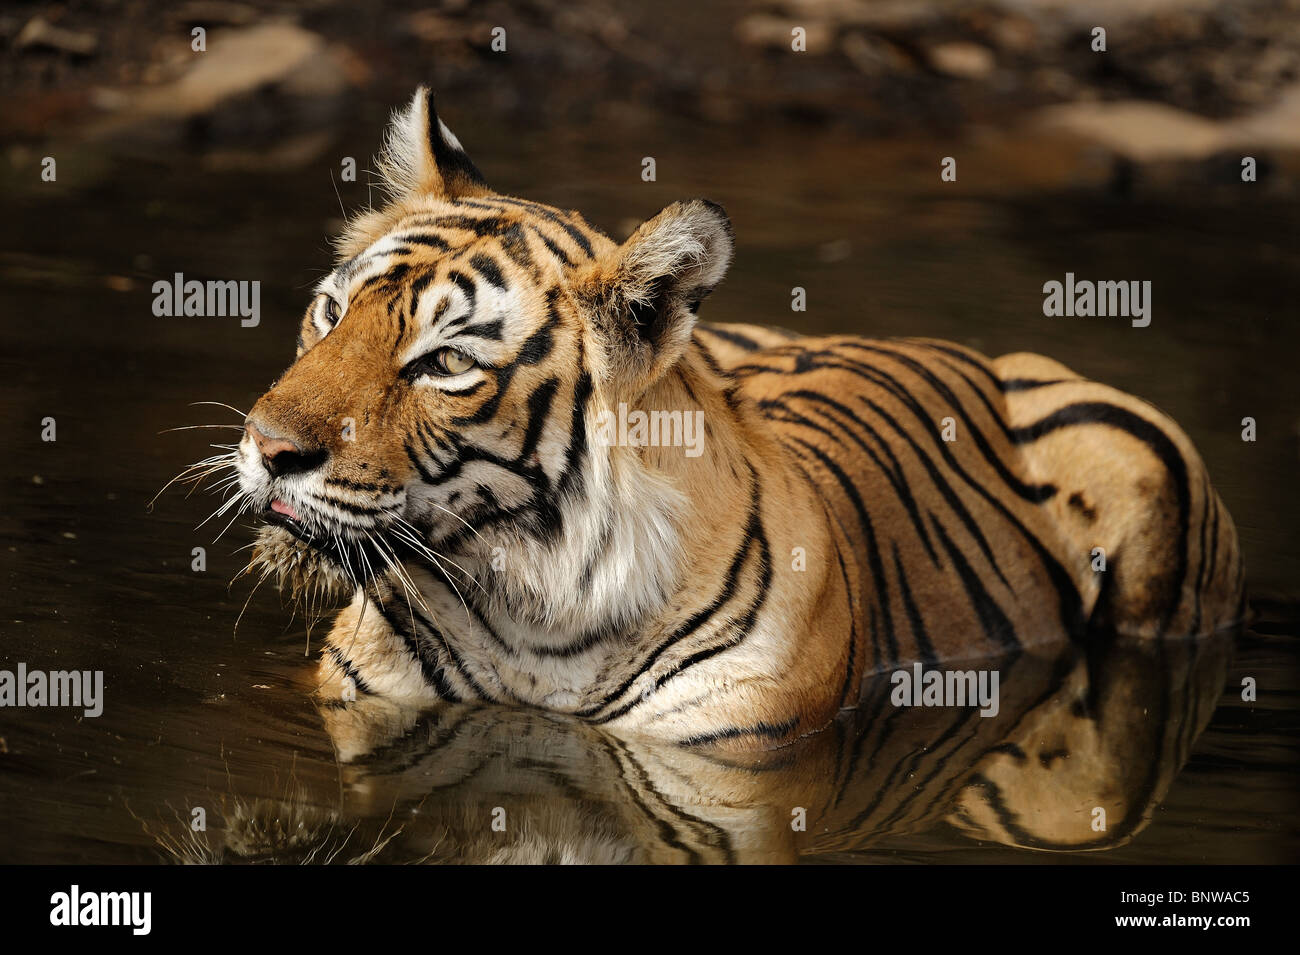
(737, 346)
(771, 362)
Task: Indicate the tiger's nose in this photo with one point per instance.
(280, 456)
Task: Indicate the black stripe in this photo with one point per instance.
(853, 597)
(734, 338)
(895, 475)
(554, 249)
(979, 364)
(873, 548)
(445, 645)
(466, 286)
(393, 276)
(1028, 384)
(550, 214)
(514, 243)
(852, 667)
(432, 673)
(571, 479)
(1113, 416)
(361, 486)
(766, 730)
(429, 239)
(538, 345)
(425, 474)
(1034, 493)
(349, 670)
(539, 406)
(924, 647)
(996, 625)
(1067, 592)
(485, 267)
(481, 226)
(741, 628)
(417, 290)
(488, 409)
(361, 509)
(945, 489)
(491, 331)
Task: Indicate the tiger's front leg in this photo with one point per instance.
(365, 655)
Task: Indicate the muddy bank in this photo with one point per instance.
(874, 66)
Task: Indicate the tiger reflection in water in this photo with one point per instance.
(1081, 751)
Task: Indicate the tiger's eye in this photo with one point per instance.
(454, 362)
(332, 314)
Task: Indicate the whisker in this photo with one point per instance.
(436, 557)
(403, 577)
(472, 529)
(447, 577)
(222, 508)
(242, 508)
(261, 580)
(365, 561)
(184, 475)
(220, 404)
(194, 427)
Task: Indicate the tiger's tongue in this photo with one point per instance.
(282, 508)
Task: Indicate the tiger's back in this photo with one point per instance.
(980, 505)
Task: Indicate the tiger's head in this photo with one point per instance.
(440, 407)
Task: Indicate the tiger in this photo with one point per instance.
(460, 450)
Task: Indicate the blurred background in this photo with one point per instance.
(228, 163)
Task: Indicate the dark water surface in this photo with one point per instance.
(199, 716)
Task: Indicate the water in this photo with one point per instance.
(198, 715)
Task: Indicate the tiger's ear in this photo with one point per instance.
(422, 157)
(643, 296)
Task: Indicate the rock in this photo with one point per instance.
(1136, 130)
(240, 62)
(1276, 126)
(40, 34)
(1152, 132)
(966, 61)
(276, 55)
(1016, 35)
(875, 56)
